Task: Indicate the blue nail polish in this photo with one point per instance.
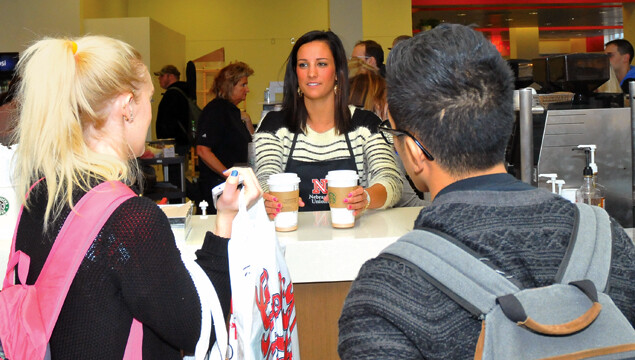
(234, 173)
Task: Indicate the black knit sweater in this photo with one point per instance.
(132, 269)
(393, 313)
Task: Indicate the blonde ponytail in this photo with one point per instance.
(67, 85)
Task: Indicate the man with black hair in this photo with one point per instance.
(451, 115)
(372, 53)
(620, 54)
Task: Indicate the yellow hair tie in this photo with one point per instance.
(74, 47)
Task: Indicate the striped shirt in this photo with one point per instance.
(374, 158)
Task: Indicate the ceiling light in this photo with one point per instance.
(533, 13)
(572, 18)
(509, 19)
(461, 14)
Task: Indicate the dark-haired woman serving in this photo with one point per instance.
(317, 131)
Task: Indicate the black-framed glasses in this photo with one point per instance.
(387, 132)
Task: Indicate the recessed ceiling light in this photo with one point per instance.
(572, 18)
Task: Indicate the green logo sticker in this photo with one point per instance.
(332, 198)
(4, 206)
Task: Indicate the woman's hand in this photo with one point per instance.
(228, 201)
(356, 200)
(273, 206)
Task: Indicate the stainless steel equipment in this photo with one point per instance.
(590, 118)
(611, 130)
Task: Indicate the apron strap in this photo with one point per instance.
(295, 138)
(350, 149)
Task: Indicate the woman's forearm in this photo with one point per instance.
(378, 196)
(207, 156)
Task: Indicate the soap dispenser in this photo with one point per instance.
(600, 190)
(587, 192)
(552, 180)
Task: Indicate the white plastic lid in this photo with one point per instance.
(339, 175)
(283, 178)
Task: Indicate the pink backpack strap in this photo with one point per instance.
(15, 233)
(134, 347)
(79, 231)
(77, 234)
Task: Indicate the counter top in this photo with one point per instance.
(317, 252)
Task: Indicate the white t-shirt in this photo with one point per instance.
(9, 206)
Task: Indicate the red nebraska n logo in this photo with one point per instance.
(319, 186)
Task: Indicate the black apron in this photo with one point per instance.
(313, 176)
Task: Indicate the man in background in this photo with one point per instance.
(371, 53)
(620, 54)
(173, 112)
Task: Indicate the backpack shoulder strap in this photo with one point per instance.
(180, 91)
(190, 102)
(77, 234)
(588, 255)
(453, 269)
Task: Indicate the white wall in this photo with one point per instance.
(157, 44)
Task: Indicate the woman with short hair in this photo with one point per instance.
(223, 132)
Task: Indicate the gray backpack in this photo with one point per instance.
(567, 320)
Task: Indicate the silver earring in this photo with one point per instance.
(300, 93)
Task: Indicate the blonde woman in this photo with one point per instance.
(85, 112)
(223, 133)
(368, 91)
